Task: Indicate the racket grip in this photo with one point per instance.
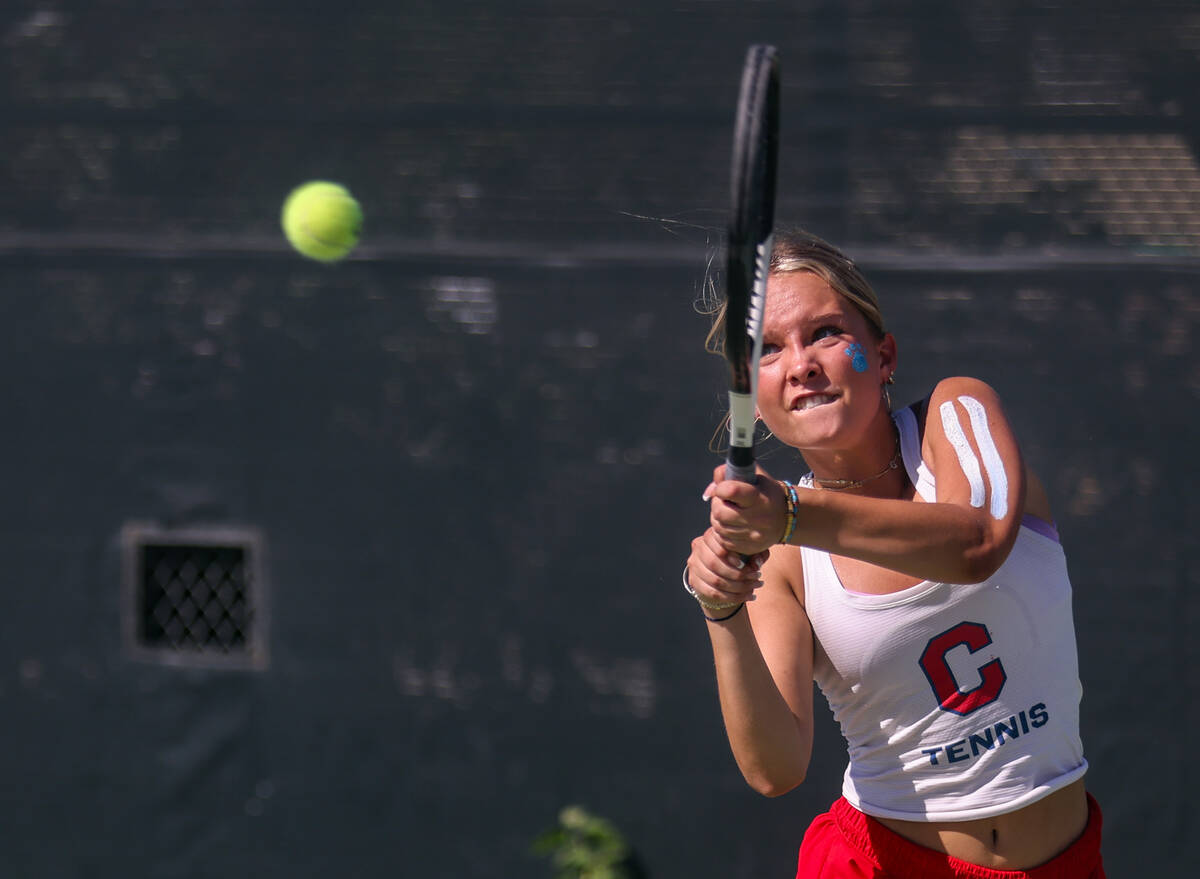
(741, 473)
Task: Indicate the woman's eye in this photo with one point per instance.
(769, 348)
(825, 332)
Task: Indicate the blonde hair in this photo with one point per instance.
(795, 250)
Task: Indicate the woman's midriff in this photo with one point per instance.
(1018, 840)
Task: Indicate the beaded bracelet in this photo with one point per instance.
(711, 605)
(793, 501)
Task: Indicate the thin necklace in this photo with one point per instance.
(847, 484)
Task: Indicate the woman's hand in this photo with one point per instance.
(747, 519)
(719, 576)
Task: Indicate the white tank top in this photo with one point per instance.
(956, 701)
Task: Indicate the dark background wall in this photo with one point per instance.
(471, 455)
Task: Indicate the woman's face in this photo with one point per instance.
(820, 378)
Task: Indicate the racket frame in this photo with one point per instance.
(748, 246)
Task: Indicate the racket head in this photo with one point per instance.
(748, 244)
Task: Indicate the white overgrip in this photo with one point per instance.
(741, 419)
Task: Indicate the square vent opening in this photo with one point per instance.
(195, 596)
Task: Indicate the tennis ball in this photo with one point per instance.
(322, 220)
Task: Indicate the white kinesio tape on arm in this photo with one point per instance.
(966, 456)
(992, 463)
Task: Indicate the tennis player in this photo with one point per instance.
(916, 575)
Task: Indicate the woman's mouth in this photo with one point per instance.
(812, 401)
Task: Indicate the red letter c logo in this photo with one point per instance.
(933, 662)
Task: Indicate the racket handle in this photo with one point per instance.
(742, 470)
(742, 473)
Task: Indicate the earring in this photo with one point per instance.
(887, 398)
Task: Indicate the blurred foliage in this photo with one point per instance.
(585, 846)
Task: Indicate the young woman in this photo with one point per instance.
(916, 576)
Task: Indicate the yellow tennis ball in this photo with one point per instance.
(322, 220)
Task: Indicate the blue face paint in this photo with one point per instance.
(858, 357)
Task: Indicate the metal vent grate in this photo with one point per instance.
(195, 596)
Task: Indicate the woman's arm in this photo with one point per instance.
(962, 538)
(763, 662)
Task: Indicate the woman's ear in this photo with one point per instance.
(887, 357)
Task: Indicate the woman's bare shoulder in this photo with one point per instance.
(955, 386)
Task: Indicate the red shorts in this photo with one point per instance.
(846, 844)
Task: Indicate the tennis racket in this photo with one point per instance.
(748, 247)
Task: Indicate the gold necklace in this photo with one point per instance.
(847, 484)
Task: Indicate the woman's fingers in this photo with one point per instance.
(724, 575)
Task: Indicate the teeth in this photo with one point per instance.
(814, 400)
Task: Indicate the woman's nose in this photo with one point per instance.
(801, 366)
